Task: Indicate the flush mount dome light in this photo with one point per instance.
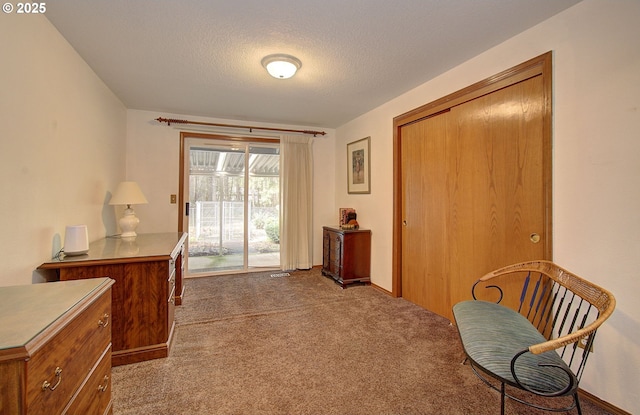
(281, 66)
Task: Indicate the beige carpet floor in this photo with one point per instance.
(256, 344)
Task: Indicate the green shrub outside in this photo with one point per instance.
(272, 228)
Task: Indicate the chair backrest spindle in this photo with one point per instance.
(525, 288)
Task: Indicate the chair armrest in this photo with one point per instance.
(571, 384)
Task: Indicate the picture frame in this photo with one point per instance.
(359, 166)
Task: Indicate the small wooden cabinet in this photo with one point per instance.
(55, 348)
(346, 255)
(148, 275)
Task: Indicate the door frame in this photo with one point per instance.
(538, 66)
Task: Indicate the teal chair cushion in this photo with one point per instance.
(492, 335)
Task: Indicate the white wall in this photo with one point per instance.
(62, 136)
(596, 198)
(153, 153)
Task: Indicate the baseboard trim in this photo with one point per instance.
(602, 404)
(379, 288)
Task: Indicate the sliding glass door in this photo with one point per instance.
(232, 194)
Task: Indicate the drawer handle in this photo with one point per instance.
(104, 323)
(47, 385)
(105, 385)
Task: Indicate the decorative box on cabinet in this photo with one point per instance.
(55, 348)
(148, 275)
(346, 255)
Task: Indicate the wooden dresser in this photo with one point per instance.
(148, 274)
(55, 348)
(346, 255)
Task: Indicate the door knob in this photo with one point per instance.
(534, 237)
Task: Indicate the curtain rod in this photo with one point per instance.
(169, 121)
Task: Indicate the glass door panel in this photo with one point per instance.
(264, 207)
(216, 209)
(233, 199)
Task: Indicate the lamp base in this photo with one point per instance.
(128, 223)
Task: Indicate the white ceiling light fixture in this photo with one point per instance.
(281, 66)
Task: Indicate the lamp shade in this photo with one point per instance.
(76, 240)
(128, 193)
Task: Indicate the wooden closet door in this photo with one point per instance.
(497, 188)
(424, 209)
(473, 187)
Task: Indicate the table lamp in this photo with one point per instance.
(128, 193)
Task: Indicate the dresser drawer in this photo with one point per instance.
(65, 361)
(172, 268)
(171, 310)
(95, 395)
(171, 283)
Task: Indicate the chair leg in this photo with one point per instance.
(502, 391)
(577, 403)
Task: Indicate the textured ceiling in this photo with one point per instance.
(202, 57)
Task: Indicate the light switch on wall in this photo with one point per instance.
(173, 199)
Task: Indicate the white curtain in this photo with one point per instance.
(296, 173)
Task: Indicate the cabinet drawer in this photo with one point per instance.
(95, 395)
(172, 268)
(171, 309)
(68, 357)
(171, 284)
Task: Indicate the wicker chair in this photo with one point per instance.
(541, 342)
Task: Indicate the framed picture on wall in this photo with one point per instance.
(359, 166)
